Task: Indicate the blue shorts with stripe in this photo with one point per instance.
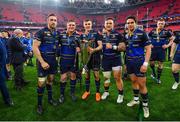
(67, 65)
(158, 54)
(51, 60)
(134, 65)
(176, 59)
(109, 62)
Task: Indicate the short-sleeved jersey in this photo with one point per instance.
(136, 43)
(68, 45)
(161, 38)
(114, 38)
(177, 40)
(49, 40)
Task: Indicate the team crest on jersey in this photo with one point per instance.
(84, 36)
(130, 51)
(113, 36)
(48, 34)
(135, 36)
(164, 32)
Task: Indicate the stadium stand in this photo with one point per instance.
(147, 14)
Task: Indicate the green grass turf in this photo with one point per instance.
(164, 102)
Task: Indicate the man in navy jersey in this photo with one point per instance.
(176, 60)
(113, 43)
(161, 39)
(91, 42)
(70, 48)
(137, 62)
(45, 49)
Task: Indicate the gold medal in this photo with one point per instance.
(158, 38)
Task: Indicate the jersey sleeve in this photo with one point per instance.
(169, 34)
(39, 35)
(100, 37)
(121, 38)
(150, 34)
(145, 39)
(77, 40)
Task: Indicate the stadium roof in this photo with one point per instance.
(85, 6)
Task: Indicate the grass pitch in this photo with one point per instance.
(163, 102)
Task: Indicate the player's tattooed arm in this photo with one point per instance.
(171, 39)
(99, 47)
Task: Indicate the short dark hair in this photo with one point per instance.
(71, 20)
(161, 19)
(131, 17)
(109, 18)
(86, 20)
(52, 15)
(6, 32)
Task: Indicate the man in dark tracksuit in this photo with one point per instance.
(3, 87)
(45, 48)
(17, 58)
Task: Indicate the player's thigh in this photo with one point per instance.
(72, 75)
(50, 78)
(117, 72)
(175, 67)
(63, 77)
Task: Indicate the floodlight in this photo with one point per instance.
(121, 1)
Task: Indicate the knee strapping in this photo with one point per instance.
(62, 81)
(107, 76)
(117, 68)
(42, 80)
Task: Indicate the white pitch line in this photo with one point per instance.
(167, 67)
